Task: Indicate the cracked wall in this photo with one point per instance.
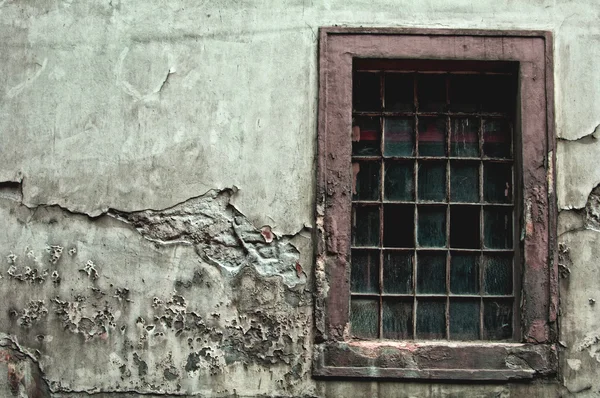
(157, 190)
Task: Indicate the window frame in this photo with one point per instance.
(336, 354)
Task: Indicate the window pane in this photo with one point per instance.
(464, 227)
(365, 223)
(367, 180)
(497, 228)
(499, 93)
(464, 319)
(366, 135)
(364, 277)
(398, 226)
(397, 319)
(497, 319)
(367, 89)
(464, 141)
(431, 319)
(498, 277)
(364, 318)
(399, 136)
(431, 273)
(432, 226)
(399, 182)
(397, 272)
(464, 273)
(464, 93)
(399, 92)
(464, 182)
(432, 93)
(497, 137)
(497, 184)
(432, 181)
(432, 136)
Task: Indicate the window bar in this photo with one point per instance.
(416, 197)
(481, 233)
(381, 196)
(448, 197)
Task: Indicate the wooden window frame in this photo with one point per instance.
(336, 354)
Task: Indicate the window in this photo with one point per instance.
(432, 243)
(435, 205)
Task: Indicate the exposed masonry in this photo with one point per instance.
(221, 235)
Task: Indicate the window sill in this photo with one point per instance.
(434, 360)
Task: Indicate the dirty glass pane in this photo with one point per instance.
(432, 226)
(497, 138)
(398, 226)
(464, 141)
(397, 272)
(464, 182)
(399, 182)
(464, 319)
(367, 180)
(367, 91)
(497, 319)
(399, 136)
(399, 92)
(432, 136)
(366, 135)
(431, 319)
(365, 226)
(364, 318)
(497, 274)
(464, 93)
(397, 319)
(497, 227)
(432, 181)
(431, 91)
(500, 93)
(364, 276)
(497, 182)
(431, 273)
(464, 227)
(464, 273)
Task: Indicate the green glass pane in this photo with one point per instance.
(399, 181)
(464, 273)
(497, 182)
(464, 93)
(432, 181)
(464, 227)
(366, 136)
(397, 272)
(365, 226)
(399, 92)
(364, 318)
(367, 180)
(399, 136)
(432, 136)
(431, 273)
(464, 141)
(464, 182)
(464, 319)
(397, 319)
(497, 138)
(497, 319)
(432, 226)
(497, 228)
(398, 226)
(364, 275)
(431, 319)
(498, 276)
(431, 91)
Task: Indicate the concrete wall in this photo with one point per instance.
(157, 183)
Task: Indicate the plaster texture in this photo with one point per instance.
(157, 192)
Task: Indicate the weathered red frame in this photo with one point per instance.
(336, 354)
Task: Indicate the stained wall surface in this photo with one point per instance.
(157, 193)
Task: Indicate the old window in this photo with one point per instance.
(436, 205)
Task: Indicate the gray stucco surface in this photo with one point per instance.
(157, 193)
